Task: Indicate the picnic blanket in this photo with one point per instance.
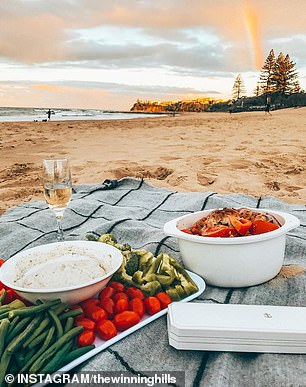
(135, 213)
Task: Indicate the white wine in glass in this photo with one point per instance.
(57, 189)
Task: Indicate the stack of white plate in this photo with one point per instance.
(237, 328)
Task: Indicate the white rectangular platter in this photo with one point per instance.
(101, 344)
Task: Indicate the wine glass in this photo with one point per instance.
(57, 189)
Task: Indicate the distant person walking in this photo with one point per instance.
(49, 114)
(268, 106)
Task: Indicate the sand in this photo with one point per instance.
(226, 153)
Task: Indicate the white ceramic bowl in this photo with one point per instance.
(109, 256)
(233, 262)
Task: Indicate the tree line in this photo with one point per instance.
(278, 82)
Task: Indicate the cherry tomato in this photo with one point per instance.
(117, 286)
(136, 305)
(219, 231)
(152, 305)
(164, 299)
(108, 305)
(86, 338)
(1, 262)
(106, 329)
(96, 313)
(86, 323)
(89, 303)
(107, 292)
(121, 305)
(126, 320)
(73, 307)
(119, 296)
(241, 225)
(261, 227)
(135, 293)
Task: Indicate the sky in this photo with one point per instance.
(106, 54)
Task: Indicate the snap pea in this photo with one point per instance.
(45, 357)
(4, 327)
(41, 351)
(70, 313)
(29, 310)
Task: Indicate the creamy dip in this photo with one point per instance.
(61, 268)
(61, 273)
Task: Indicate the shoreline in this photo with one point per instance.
(247, 153)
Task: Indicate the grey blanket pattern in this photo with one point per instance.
(135, 213)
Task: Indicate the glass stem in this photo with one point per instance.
(60, 232)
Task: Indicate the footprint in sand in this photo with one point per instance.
(273, 185)
(142, 172)
(170, 158)
(205, 179)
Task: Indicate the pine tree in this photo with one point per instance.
(238, 88)
(285, 77)
(266, 76)
(257, 90)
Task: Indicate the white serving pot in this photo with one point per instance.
(235, 261)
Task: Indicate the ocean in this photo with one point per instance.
(12, 114)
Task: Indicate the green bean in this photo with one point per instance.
(71, 313)
(2, 296)
(18, 328)
(77, 353)
(19, 358)
(30, 354)
(58, 309)
(40, 351)
(37, 332)
(20, 339)
(45, 357)
(56, 361)
(69, 324)
(4, 363)
(13, 324)
(29, 310)
(4, 315)
(4, 327)
(38, 340)
(4, 309)
(57, 324)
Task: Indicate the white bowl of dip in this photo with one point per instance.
(71, 271)
(233, 262)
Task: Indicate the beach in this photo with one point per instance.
(250, 153)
